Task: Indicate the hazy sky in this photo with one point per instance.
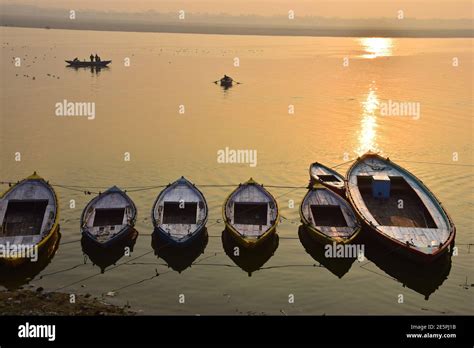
(443, 9)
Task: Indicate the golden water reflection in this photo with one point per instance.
(368, 128)
(376, 47)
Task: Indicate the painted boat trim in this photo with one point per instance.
(246, 242)
(199, 229)
(123, 232)
(431, 195)
(15, 261)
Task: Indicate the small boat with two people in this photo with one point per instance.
(95, 61)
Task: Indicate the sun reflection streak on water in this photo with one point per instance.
(376, 47)
(368, 131)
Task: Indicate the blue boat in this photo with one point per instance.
(109, 218)
(179, 213)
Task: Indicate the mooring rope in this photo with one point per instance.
(92, 189)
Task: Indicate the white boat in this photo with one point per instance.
(398, 208)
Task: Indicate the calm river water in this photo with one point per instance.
(158, 104)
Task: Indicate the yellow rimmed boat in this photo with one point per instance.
(250, 214)
(29, 217)
(328, 217)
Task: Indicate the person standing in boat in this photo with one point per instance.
(92, 57)
(97, 58)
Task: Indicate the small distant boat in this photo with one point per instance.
(179, 213)
(79, 63)
(328, 217)
(250, 214)
(327, 177)
(28, 217)
(398, 208)
(109, 218)
(226, 81)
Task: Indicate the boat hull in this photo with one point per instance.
(88, 64)
(239, 238)
(166, 238)
(250, 242)
(394, 245)
(341, 190)
(402, 250)
(43, 246)
(123, 236)
(226, 83)
(321, 238)
(44, 243)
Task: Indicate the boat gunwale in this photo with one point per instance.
(439, 206)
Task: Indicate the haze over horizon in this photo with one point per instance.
(420, 9)
(266, 17)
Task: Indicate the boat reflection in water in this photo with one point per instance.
(337, 266)
(425, 279)
(249, 259)
(180, 257)
(14, 278)
(95, 70)
(105, 257)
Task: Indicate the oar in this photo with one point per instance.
(233, 81)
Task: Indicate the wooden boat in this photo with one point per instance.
(398, 208)
(85, 64)
(28, 218)
(327, 177)
(109, 218)
(226, 82)
(250, 214)
(328, 217)
(179, 213)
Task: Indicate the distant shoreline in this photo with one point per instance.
(254, 31)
